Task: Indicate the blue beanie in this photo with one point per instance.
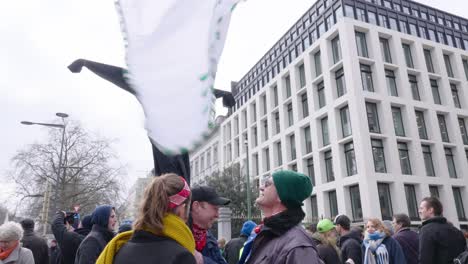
(247, 227)
(101, 215)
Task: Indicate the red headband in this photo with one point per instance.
(178, 198)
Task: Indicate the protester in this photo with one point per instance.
(221, 245)
(85, 226)
(325, 239)
(439, 241)
(53, 252)
(203, 213)
(311, 228)
(232, 249)
(408, 239)
(379, 247)
(349, 242)
(36, 244)
(388, 224)
(68, 241)
(11, 252)
(245, 250)
(103, 219)
(160, 234)
(282, 239)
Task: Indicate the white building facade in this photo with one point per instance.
(371, 105)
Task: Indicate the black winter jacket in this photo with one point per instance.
(147, 248)
(350, 245)
(67, 241)
(93, 244)
(326, 252)
(439, 241)
(232, 249)
(37, 245)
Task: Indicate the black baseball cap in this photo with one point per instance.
(208, 194)
(343, 221)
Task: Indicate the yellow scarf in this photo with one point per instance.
(174, 228)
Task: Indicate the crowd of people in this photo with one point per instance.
(174, 220)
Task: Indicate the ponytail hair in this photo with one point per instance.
(155, 203)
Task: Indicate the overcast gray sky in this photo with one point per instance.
(40, 38)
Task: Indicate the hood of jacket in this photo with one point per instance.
(101, 215)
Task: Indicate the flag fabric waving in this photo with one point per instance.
(172, 52)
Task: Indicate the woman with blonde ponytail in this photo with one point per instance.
(160, 234)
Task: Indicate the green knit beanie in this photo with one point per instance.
(292, 187)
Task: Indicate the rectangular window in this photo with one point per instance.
(434, 191)
(372, 117)
(435, 92)
(456, 98)
(385, 200)
(321, 94)
(329, 166)
(351, 167)
(267, 159)
(393, 23)
(305, 105)
(366, 78)
(265, 129)
(333, 204)
(325, 134)
(275, 96)
(254, 137)
(398, 121)
(443, 128)
(277, 122)
(383, 21)
(356, 206)
(310, 170)
(361, 44)
(412, 202)
(336, 49)
(254, 113)
(464, 135)
(404, 27)
(413, 81)
(448, 65)
(314, 209)
(279, 153)
(404, 158)
(318, 64)
(302, 77)
(379, 155)
(408, 56)
(421, 123)
(459, 203)
(428, 58)
(287, 86)
(290, 114)
(361, 14)
(391, 83)
(385, 48)
(255, 163)
(372, 18)
(428, 163)
(307, 139)
(263, 104)
(345, 121)
(340, 82)
(292, 144)
(465, 66)
(450, 163)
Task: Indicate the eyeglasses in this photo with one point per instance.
(268, 182)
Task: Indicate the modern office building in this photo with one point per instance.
(368, 98)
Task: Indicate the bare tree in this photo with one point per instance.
(87, 176)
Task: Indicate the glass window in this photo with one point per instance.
(372, 117)
(325, 134)
(459, 203)
(421, 123)
(385, 48)
(307, 139)
(397, 7)
(435, 92)
(387, 4)
(318, 64)
(340, 82)
(366, 78)
(287, 84)
(456, 98)
(338, 13)
(279, 153)
(428, 57)
(448, 65)
(302, 77)
(391, 83)
(290, 114)
(314, 209)
(349, 11)
(329, 21)
(310, 170)
(372, 18)
(267, 159)
(404, 27)
(450, 163)
(413, 81)
(423, 32)
(265, 129)
(355, 198)
(443, 128)
(412, 202)
(406, 10)
(329, 166)
(361, 14)
(255, 164)
(393, 24)
(254, 136)
(333, 204)
(413, 29)
(264, 104)
(441, 37)
(305, 105)
(351, 167)
(464, 135)
(321, 94)
(404, 158)
(292, 144)
(434, 191)
(383, 21)
(275, 96)
(379, 155)
(321, 29)
(428, 163)
(336, 49)
(277, 122)
(385, 200)
(398, 121)
(345, 121)
(408, 57)
(361, 44)
(432, 34)
(465, 67)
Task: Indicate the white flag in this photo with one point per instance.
(172, 53)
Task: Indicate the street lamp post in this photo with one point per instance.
(47, 195)
(247, 183)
